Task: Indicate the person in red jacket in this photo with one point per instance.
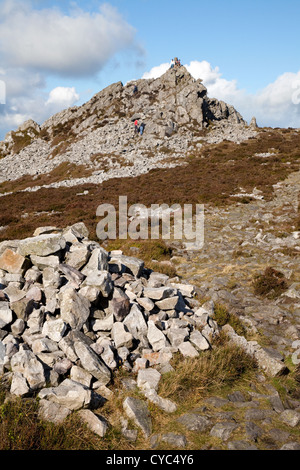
(136, 125)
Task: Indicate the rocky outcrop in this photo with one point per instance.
(100, 134)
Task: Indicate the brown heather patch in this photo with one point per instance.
(271, 283)
(210, 177)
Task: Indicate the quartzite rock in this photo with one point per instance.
(43, 245)
(12, 262)
(69, 394)
(138, 411)
(91, 362)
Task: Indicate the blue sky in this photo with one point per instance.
(54, 54)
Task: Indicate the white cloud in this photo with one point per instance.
(36, 43)
(276, 105)
(63, 97)
(77, 44)
(156, 72)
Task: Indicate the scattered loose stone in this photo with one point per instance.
(223, 430)
(138, 411)
(95, 423)
(195, 422)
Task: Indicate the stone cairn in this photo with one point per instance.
(72, 314)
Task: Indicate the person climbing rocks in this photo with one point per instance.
(142, 127)
(136, 125)
(135, 90)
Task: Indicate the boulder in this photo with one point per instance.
(156, 337)
(91, 362)
(42, 245)
(27, 363)
(74, 308)
(13, 263)
(69, 394)
(138, 411)
(94, 422)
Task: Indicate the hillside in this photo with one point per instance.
(100, 135)
(169, 347)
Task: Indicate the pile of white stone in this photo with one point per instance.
(71, 314)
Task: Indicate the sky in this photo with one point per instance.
(56, 54)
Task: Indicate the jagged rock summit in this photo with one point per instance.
(100, 134)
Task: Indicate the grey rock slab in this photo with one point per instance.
(42, 262)
(199, 341)
(163, 403)
(19, 385)
(72, 274)
(101, 280)
(42, 245)
(94, 422)
(80, 375)
(134, 265)
(157, 279)
(66, 344)
(92, 363)
(62, 366)
(35, 322)
(156, 337)
(174, 440)
(146, 303)
(138, 411)
(52, 412)
(69, 394)
(89, 292)
(135, 322)
(290, 417)
(236, 396)
(74, 308)
(176, 336)
(26, 362)
(51, 278)
(217, 402)
(77, 256)
(23, 308)
(98, 261)
(253, 431)
(148, 379)
(44, 345)
(223, 430)
(18, 327)
(279, 435)
(169, 303)
(105, 324)
(121, 336)
(120, 307)
(195, 422)
(159, 293)
(54, 329)
(291, 446)
(187, 290)
(188, 350)
(6, 316)
(258, 415)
